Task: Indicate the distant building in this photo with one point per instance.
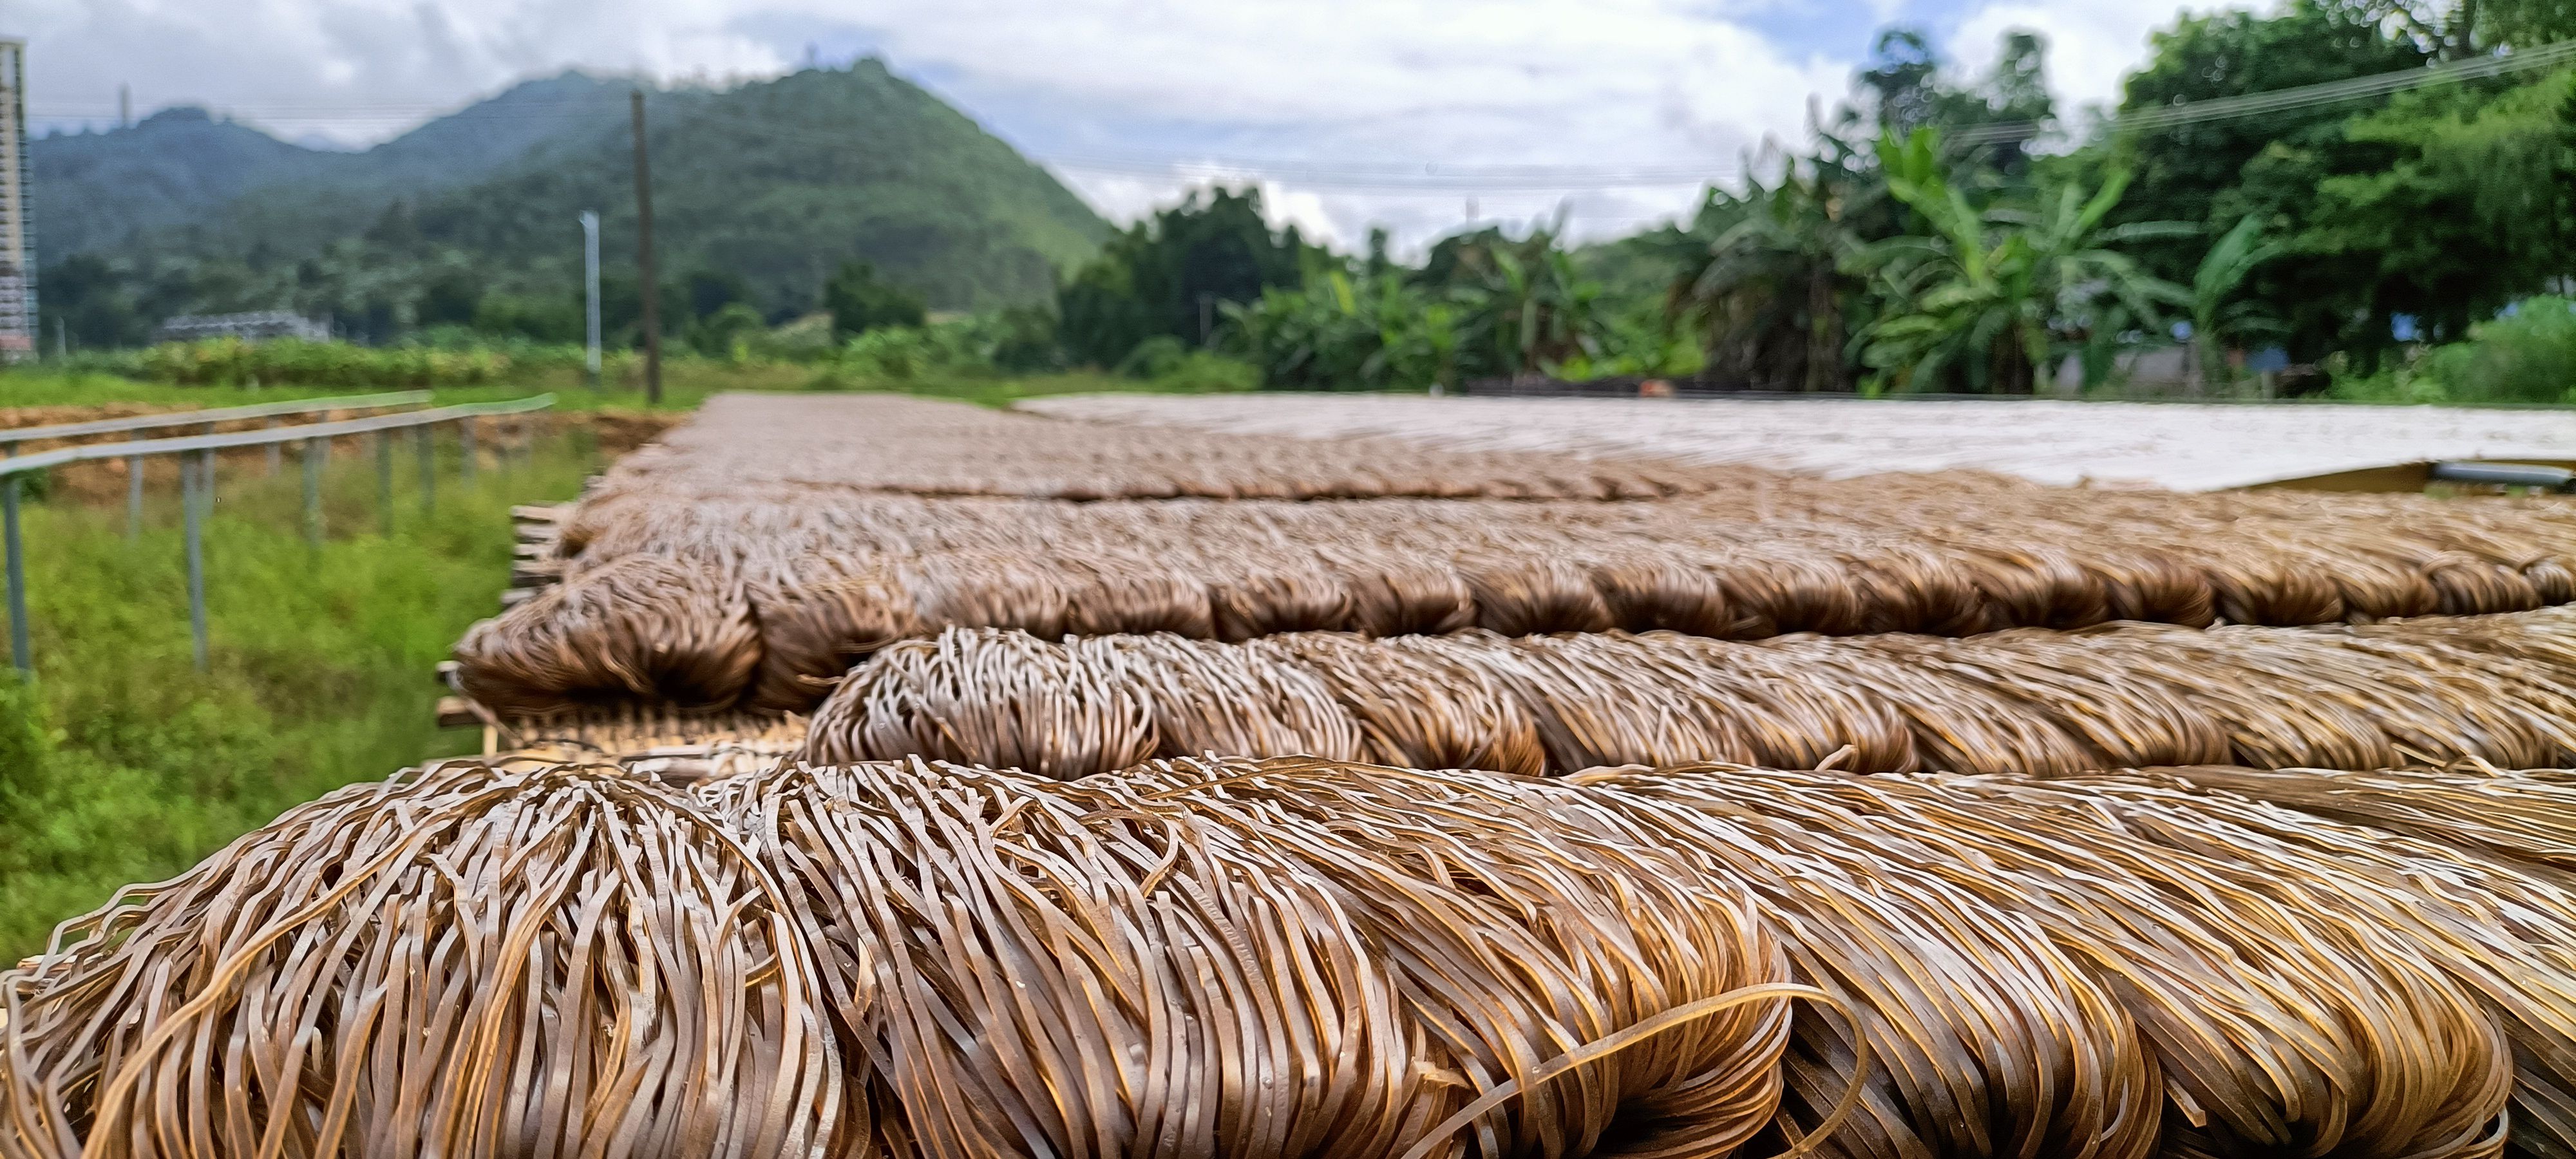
(248, 327)
(17, 233)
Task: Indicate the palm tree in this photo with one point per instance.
(1991, 298)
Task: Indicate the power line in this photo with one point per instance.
(1445, 179)
(2300, 97)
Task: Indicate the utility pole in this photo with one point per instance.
(644, 259)
(590, 283)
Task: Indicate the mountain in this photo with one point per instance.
(780, 182)
(95, 191)
(760, 193)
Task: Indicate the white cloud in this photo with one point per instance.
(1683, 87)
(1127, 197)
(352, 70)
(2092, 44)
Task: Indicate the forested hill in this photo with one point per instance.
(764, 190)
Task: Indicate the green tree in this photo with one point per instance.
(860, 302)
(718, 334)
(2193, 172)
(713, 290)
(89, 301)
(450, 297)
(557, 319)
(2523, 23)
(2447, 205)
(1172, 275)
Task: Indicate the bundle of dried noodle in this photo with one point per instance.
(466, 961)
(2028, 701)
(641, 629)
(1289, 958)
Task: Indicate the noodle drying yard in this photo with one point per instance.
(877, 776)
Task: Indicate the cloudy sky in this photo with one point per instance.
(1408, 113)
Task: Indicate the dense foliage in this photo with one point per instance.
(2347, 232)
(1950, 235)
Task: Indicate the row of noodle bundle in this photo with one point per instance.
(763, 600)
(2500, 689)
(1303, 957)
(903, 960)
(884, 442)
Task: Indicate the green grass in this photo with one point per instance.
(685, 389)
(121, 763)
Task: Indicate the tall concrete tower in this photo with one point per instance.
(17, 233)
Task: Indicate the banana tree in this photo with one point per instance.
(2214, 319)
(1767, 273)
(1990, 298)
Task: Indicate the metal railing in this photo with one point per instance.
(196, 486)
(2558, 479)
(10, 439)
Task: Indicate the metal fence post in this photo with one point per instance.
(465, 445)
(21, 652)
(314, 451)
(133, 498)
(428, 469)
(385, 477)
(195, 499)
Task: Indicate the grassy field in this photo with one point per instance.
(121, 763)
(686, 384)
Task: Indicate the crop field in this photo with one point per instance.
(880, 776)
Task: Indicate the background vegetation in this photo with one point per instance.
(1939, 232)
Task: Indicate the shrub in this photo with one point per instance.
(290, 362)
(2528, 355)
